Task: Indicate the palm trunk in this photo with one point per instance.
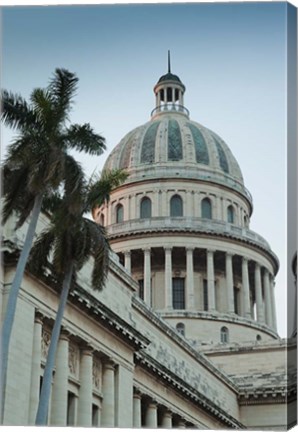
(13, 296)
(42, 411)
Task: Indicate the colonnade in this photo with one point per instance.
(84, 405)
(148, 413)
(119, 404)
(264, 296)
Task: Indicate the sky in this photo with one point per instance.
(230, 56)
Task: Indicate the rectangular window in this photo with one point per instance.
(141, 288)
(178, 293)
(95, 415)
(205, 295)
(71, 409)
(236, 293)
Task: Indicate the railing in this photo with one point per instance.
(170, 107)
(187, 224)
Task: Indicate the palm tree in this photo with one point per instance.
(71, 239)
(38, 164)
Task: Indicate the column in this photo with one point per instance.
(151, 415)
(168, 278)
(108, 213)
(164, 204)
(35, 368)
(60, 385)
(268, 311)
(133, 213)
(189, 279)
(147, 276)
(245, 288)
(210, 280)
(108, 391)
(188, 209)
(196, 205)
(127, 207)
(230, 283)
(259, 296)
(167, 420)
(219, 208)
(127, 260)
(137, 413)
(123, 397)
(85, 394)
(273, 305)
(181, 424)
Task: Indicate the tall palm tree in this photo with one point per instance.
(39, 159)
(71, 239)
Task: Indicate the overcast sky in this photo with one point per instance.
(231, 58)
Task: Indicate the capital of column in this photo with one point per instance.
(64, 335)
(87, 349)
(146, 250)
(190, 249)
(39, 317)
(211, 251)
(127, 252)
(168, 248)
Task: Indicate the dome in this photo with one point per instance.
(169, 77)
(171, 145)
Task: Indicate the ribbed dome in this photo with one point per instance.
(173, 146)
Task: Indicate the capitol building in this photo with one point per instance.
(184, 333)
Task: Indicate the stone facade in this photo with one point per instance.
(184, 333)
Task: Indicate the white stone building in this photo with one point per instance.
(184, 333)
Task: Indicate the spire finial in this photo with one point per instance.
(169, 61)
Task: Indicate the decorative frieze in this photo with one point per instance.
(96, 374)
(73, 359)
(45, 343)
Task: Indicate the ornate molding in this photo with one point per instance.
(73, 360)
(45, 343)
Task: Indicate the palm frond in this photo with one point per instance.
(51, 202)
(43, 107)
(15, 112)
(17, 198)
(83, 138)
(74, 184)
(99, 190)
(100, 249)
(40, 252)
(62, 88)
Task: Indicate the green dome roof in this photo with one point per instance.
(169, 77)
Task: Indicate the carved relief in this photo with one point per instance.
(96, 374)
(73, 358)
(45, 343)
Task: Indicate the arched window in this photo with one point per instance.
(259, 338)
(230, 214)
(206, 208)
(180, 327)
(119, 213)
(176, 206)
(224, 335)
(145, 208)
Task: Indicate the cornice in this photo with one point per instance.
(198, 232)
(170, 379)
(167, 329)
